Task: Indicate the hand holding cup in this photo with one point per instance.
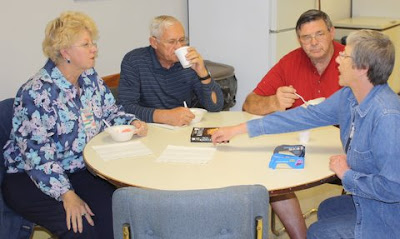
(181, 54)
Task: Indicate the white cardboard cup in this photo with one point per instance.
(198, 113)
(181, 54)
(304, 136)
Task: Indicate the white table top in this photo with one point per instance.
(242, 161)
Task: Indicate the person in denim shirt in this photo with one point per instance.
(368, 113)
(55, 114)
(309, 71)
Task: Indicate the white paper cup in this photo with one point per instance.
(198, 113)
(304, 137)
(181, 54)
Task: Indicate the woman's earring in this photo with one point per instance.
(68, 61)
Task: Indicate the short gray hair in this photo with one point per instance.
(160, 23)
(372, 50)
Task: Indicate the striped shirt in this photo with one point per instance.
(146, 86)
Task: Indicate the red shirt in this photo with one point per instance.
(296, 69)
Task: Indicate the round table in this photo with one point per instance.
(242, 161)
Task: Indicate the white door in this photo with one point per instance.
(233, 32)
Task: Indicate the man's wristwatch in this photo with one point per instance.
(208, 76)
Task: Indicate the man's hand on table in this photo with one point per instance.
(177, 117)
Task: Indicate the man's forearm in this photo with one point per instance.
(260, 105)
(161, 116)
(211, 96)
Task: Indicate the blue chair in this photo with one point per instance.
(12, 226)
(235, 212)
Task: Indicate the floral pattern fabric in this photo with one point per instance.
(52, 123)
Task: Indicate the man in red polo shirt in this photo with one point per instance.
(309, 71)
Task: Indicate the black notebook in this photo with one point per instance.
(202, 134)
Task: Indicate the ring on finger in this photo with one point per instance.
(83, 214)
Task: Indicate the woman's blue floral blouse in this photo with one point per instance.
(52, 123)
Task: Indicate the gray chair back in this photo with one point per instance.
(231, 212)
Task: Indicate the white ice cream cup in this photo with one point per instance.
(181, 54)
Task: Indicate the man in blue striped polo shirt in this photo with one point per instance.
(153, 83)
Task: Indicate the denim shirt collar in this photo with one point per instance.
(363, 108)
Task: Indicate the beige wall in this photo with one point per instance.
(123, 25)
(377, 8)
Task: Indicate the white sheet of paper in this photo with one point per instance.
(181, 154)
(165, 126)
(122, 150)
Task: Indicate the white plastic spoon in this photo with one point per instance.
(301, 97)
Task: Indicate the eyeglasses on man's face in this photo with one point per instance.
(343, 55)
(87, 45)
(183, 41)
(318, 36)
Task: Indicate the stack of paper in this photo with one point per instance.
(192, 155)
(122, 150)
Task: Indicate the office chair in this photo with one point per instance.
(112, 81)
(231, 212)
(12, 225)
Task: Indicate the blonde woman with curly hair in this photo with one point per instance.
(56, 113)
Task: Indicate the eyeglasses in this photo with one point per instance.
(87, 45)
(319, 36)
(343, 55)
(173, 42)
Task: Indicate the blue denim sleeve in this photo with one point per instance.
(300, 118)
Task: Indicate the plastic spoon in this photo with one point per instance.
(107, 124)
(301, 97)
(184, 104)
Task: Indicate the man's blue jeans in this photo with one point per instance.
(336, 219)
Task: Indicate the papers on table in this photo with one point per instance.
(165, 126)
(121, 150)
(172, 154)
(181, 154)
